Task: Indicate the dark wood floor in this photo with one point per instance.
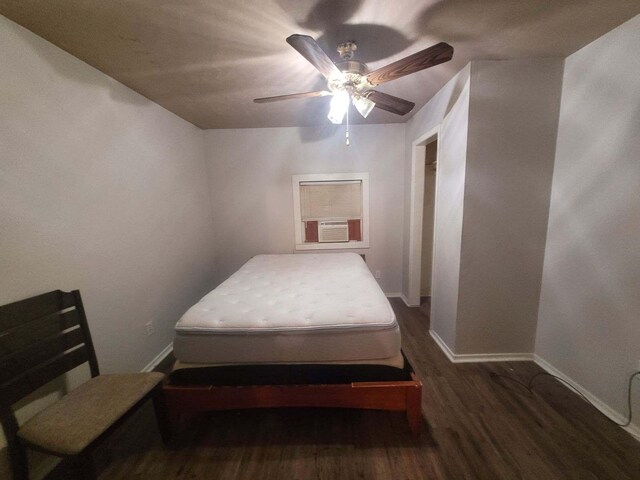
(477, 427)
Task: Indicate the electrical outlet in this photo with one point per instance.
(378, 274)
(150, 328)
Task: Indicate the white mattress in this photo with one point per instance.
(291, 308)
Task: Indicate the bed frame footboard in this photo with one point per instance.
(185, 400)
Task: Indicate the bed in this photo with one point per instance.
(297, 330)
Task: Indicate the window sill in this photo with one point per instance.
(331, 246)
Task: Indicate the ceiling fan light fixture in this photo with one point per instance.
(338, 107)
(350, 80)
(363, 105)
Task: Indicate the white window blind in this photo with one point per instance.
(329, 200)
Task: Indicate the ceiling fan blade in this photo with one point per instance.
(429, 57)
(309, 49)
(392, 104)
(320, 93)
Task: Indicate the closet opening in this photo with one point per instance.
(428, 219)
(423, 219)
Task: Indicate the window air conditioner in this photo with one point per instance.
(333, 232)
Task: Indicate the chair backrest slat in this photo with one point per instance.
(24, 311)
(29, 381)
(25, 336)
(15, 364)
(42, 338)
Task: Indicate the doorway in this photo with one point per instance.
(419, 169)
(428, 227)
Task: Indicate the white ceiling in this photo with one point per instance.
(206, 60)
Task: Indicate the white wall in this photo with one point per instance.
(449, 108)
(498, 123)
(589, 317)
(250, 175)
(513, 118)
(100, 190)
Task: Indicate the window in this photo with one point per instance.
(331, 211)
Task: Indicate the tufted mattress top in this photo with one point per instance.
(291, 308)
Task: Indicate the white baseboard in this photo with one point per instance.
(406, 301)
(479, 357)
(393, 295)
(605, 409)
(493, 357)
(159, 358)
(443, 346)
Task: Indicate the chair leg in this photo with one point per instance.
(84, 466)
(19, 461)
(160, 407)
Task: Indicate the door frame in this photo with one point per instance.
(416, 210)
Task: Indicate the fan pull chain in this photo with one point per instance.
(347, 132)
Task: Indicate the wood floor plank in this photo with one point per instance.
(477, 427)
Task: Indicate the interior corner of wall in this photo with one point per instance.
(471, 66)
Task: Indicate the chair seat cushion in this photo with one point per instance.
(70, 425)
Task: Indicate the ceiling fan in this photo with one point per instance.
(350, 80)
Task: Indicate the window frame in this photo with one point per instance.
(296, 180)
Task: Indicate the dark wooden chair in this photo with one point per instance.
(41, 338)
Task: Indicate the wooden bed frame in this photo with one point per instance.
(185, 400)
(404, 395)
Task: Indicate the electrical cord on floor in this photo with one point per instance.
(529, 387)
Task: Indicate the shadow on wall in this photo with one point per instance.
(318, 133)
(59, 61)
(461, 81)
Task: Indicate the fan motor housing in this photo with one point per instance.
(352, 66)
(347, 49)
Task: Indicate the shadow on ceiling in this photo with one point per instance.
(487, 25)
(465, 20)
(331, 17)
(68, 68)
